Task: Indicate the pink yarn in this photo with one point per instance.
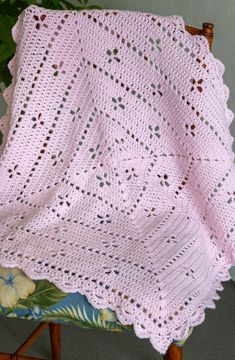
(116, 169)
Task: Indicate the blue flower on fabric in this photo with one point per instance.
(36, 312)
(14, 285)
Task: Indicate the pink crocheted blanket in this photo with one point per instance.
(117, 172)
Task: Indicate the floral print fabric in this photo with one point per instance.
(40, 300)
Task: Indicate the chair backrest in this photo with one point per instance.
(207, 30)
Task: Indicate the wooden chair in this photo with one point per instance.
(174, 352)
(207, 31)
(55, 340)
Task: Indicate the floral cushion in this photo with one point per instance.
(41, 300)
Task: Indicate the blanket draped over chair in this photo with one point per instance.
(116, 171)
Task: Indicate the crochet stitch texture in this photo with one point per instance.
(116, 168)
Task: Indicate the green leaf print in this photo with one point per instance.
(45, 295)
(79, 317)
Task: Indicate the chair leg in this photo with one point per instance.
(54, 330)
(174, 353)
(55, 339)
(29, 341)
